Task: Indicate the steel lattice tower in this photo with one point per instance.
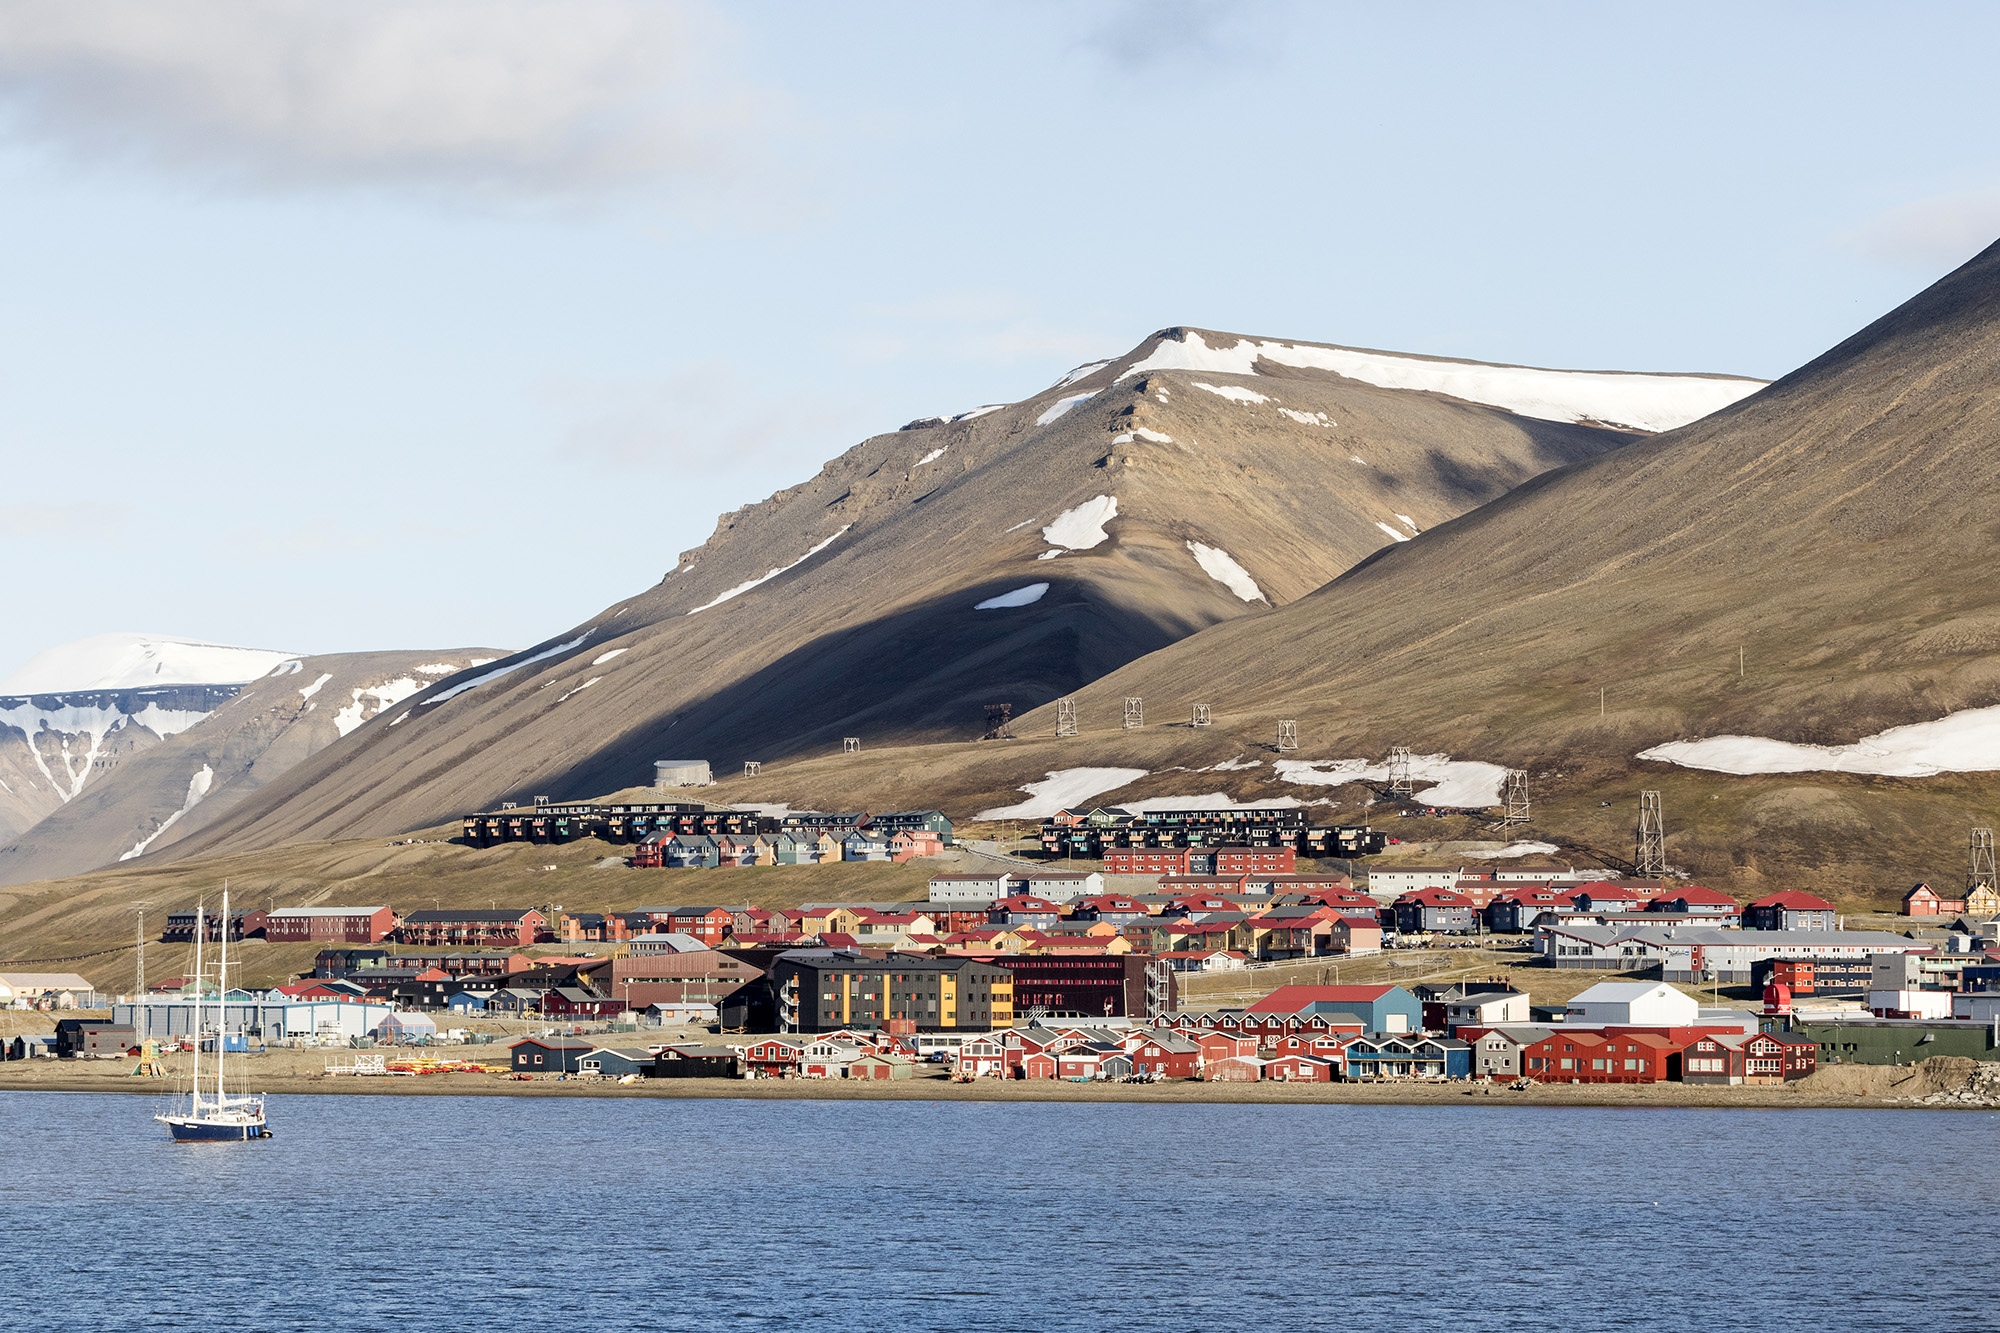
(1065, 717)
(1288, 735)
(1517, 796)
(1979, 862)
(1649, 854)
(1135, 714)
(1400, 781)
(1199, 717)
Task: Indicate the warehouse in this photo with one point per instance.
(268, 1019)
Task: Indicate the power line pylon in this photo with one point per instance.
(850, 745)
(1065, 717)
(1979, 861)
(1200, 716)
(1288, 735)
(1400, 782)
(1518, 811)
(1649, 854)
(1135, 714)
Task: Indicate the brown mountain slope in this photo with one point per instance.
(1840, 527)
(848, 606)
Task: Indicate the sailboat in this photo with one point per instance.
(214, 1115)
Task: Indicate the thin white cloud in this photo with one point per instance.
(1940, 232)
(516, 97)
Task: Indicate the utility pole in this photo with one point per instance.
(139, 980)
(1739, 661)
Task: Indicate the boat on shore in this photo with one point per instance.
(214, 1114)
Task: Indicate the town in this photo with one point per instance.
(1056, 969)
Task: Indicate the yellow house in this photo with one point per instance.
(1982, 901)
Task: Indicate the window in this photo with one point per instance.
(1569, 1064)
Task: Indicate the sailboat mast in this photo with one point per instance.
(222, 995)
(200, 931)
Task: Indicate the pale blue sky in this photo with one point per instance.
(353, 325)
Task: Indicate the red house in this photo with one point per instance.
(1299, 1069)
(1166, 1054)
(774, 1057)
(1596, 1057)
(1146, 860)
(573, 1002)
(349, 925)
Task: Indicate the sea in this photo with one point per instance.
(420, 1213)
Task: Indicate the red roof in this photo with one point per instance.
(1291, 999)
(1695, 893)
(1795, 901)
(1435, 898)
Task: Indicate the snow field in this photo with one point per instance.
(1963, 742)
(308, 691)
(1219, 565)
(1081, 528)
(1639, 401)
(1019, 597)
(1234, 394)
(1461, 783)
(92, 724)
(1399, 536)
(130, 661)
(602, 658)
(1062, 789)
(1062, 405)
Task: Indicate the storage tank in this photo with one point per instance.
(681, 773)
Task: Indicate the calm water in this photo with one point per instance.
(425, 1213)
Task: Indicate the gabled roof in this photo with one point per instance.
(1292, 999)
(1795, 901)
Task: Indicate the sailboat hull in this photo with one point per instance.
(187, 1130)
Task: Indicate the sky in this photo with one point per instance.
(333, 325)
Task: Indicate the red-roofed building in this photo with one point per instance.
(1602, 1057)
(1445, 911)
(1515, 911)
(1299, 1069)
(1791, 911)
(1023, 910)
(1379, 1008)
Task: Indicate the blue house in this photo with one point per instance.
(467, 1002)
(617, 1063)
(1400, 1055)
(1377, 1008)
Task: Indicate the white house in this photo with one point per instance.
(1060, 886)
(1634, 1004)
(1395, 881)
(1482, 1008)
(971, 887)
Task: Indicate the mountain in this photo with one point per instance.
(75, 712)
(1808, 571)
(117, 771)
(1006, 554)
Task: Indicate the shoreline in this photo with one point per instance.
(1606, 1097)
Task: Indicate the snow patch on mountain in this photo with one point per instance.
(1081, 528)
(198, 787)
(1963, 742)
(495, 674)
(747, 585)
(1062, 405)
(602, 658)
(1310, 419)
(1462, 784)
(1399, 536)
(90, 726)
(932, 456)
(372, 699)
(1079, 373)
(1062, 789)
(1019, 597)
(1233, 393)
(130, 661)
(1219, 565)
(578, 690)
(308, 691)
(1637, 401)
